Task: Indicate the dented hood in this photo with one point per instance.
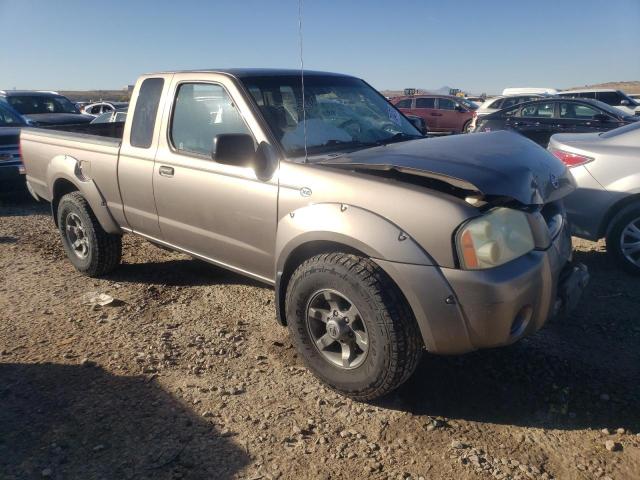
(496, 164)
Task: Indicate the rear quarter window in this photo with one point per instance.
(144, 116)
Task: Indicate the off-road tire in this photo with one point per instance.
(104, 251)
(614, 236)
(395, 343)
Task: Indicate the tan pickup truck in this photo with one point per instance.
(380, 243)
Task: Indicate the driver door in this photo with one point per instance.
(223, 213)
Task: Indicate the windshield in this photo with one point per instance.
(9, 119)
(468, 103)
(30, 104)
(340, 112)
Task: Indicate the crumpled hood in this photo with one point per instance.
(58, 118)
(495, 164)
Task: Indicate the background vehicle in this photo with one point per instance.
(615, 98)
(498, 103)
(540, 119)
(509, 92)
(44, 108)
(115, 116)
(10, 163)
(606, 167)
(99, 108)
(344, 207)
(442, 113)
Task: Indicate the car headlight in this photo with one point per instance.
(494, 239)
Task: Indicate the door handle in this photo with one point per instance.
(165, 171)
(436, 114)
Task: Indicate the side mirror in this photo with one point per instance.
(419, 123)
(625, 102)
(601, 117)
(235, 149)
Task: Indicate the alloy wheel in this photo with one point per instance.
(77, 235)
(337, 329)
(630, 242)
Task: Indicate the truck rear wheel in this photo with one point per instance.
(352, 326)
(90, 249)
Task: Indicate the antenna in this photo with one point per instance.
(304, 106)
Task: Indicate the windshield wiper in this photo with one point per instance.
(399, 137)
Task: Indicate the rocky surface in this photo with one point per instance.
(186, 374)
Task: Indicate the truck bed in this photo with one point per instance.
(48, 151)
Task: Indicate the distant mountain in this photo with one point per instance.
(632, 86)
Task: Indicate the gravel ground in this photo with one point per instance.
(187, 375)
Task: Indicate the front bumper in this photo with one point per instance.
(460, 311)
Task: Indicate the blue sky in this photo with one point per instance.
(481, 46)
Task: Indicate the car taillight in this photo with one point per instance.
(571, 159)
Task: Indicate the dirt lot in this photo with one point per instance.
(188, 375)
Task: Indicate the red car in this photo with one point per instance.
(442, 113)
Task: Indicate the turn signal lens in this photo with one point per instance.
(494, 239)
(571, 159)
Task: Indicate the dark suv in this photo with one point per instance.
(44, 108)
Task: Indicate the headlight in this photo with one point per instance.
(494, 239)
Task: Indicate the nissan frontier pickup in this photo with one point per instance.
(379, 243)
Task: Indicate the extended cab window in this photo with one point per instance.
(425, 103)
(144, 116)
(202, 111)
(406, 103)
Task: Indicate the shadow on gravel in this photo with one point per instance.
(179, 273)
(577, 372)
(81, 422)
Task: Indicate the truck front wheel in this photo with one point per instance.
(90, 249)
(352, 326)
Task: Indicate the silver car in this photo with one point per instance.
(606, 204)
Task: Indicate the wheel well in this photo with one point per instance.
(60, 189)
(295, 258)
(614, 210)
